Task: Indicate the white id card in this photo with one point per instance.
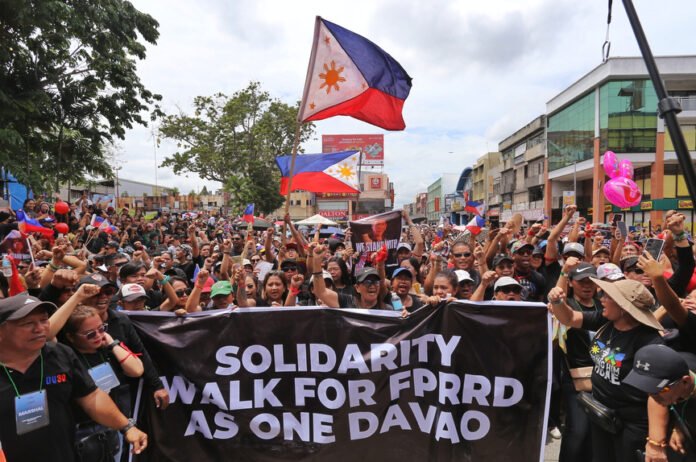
(104, 376)
(31, 411)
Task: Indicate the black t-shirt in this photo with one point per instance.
(612, 352)
(121, 328)
(120, 394)
(349, 301)
(578, 340)
(416, 303)
(534, 286)
(550, 272)
(65, 379)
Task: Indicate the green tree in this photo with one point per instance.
(175, 191)
(204, 191)
(68, 85)
(235, 140)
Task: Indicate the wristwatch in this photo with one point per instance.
(113, 344)
(129, 425)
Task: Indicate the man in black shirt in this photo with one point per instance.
(39, 381)
(666, 376)
(532, 282)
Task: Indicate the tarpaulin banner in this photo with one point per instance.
(372, 234)
(462, 382)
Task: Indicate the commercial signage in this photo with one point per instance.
(337, 214)
(646, 205)
(685, 204)
(376, 182)
(336, 195)
(371, 146)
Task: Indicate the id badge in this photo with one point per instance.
(104, 377)
(31, 411)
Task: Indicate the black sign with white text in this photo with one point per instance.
(460, 382)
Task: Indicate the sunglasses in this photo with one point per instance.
(511, 289)
(370, 282)
(524, 253)
(255, 260)
(504, 265)
(287, 269)
(236, 238)
(91, 335)
(181, 293)
(463, 254)
(635, 270)
(668, 387)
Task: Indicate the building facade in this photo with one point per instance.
(614, 107)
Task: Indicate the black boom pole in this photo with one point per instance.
(668, 107)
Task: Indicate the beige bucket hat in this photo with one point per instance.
(634, 298)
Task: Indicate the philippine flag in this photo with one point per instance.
(28, 225)
(248, 214)
(351, 76)
(475, 225)
(475, 207)
(321, 173)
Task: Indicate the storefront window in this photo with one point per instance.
(570, 134)
(689, 132)
(669, 185)
(627, 116)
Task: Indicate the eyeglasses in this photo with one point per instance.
(370, 282)
(181, 293)
(288, 269)
(511, 289)
(91, 335)
(463, 254)
(635, 270)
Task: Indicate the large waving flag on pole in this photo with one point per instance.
(479, 208)
(248, 215)
(351, 76)
(329, 173)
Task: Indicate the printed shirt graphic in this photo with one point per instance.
(334, 78)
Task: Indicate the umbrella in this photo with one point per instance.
(316, 220)
(331, 230)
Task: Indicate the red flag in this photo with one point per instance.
(16, 286)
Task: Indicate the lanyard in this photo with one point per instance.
(40, 382)
(87, 362)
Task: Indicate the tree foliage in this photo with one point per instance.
(235, 140)
(68, 85)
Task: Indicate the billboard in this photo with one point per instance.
(371, 146)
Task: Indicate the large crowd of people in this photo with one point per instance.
(624, 332)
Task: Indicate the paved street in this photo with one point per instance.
(552, 450)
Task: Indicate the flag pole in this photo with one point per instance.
(296, 142)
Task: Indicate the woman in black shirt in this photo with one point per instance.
(109, 363)
(625, 325)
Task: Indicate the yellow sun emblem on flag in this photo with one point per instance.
(594, 350)
(346, 171)
(331, 77)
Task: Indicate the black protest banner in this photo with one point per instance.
(371, 234)
(457, 383)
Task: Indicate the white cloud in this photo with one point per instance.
(481, 70)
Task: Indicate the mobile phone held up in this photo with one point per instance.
(654, 247)
(623, 229)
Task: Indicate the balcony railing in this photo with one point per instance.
(688, 103)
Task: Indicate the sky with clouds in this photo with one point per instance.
(481, 70)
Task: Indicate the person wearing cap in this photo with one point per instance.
(297, 285)
(573, 249)
(667, 377)
(133, 297)
(403, 251)
(369, 287)
(183, 254)
(465, 285)
(120, 327)
(51, 379)
(531, 280)
(600, 256)
(462, 258)
(625, 325)
(538, 257)
(401, 285)
(575, 350)
(222, 295)
(609, 272)
(507, 289)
